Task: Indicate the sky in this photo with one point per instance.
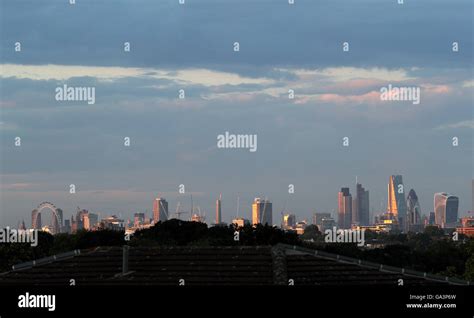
(190, 46)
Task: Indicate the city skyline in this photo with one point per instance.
(161, 212)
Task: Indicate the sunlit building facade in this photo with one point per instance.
(396, 197)
(446, 209)
(218, 211)
(344, 204)
(261, 212)
(288, 222)
(160, 210)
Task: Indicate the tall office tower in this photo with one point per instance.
(288, 222)
(360, 208)
(396, 197)
(472, 196)
(446, 209)
(219, 210)
(413, 209)
(36, 219)
(344, 211)
(261, 212)
(160, 210)
(90, 220)
(432, 218)
(80, 218)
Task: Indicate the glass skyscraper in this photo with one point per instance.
(344, 202)
(396, 197)
(446, 209)
(413, 209)
(262, 212)
(160, 210)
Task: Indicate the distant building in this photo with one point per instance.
(67, 226)
(112, 223)
(79, 223)
(240, 222)
(378, 228)
(467, 226)
(344, 202)
(318, 217)
(160, 210)
(413, 210)
(138, 219)
(388, 220)
(219, 210)
(446, 209)
(197, 218)
(326, 223)
(360, 209)
(300, 227)
(90, 221)
(22, 226)
(262, 212)
(396, 197)
(288, 222)
(432, 219)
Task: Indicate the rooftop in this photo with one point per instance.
(245, 265)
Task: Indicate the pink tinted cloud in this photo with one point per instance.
(7, 104)
(370, 97)
(436, 89)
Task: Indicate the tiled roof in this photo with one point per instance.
(202, 266)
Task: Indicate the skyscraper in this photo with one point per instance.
(90, 220)
(261, 212)
(446, 209)
(344, 211)
(413, 209)
(360, 209)
(219, 210)
(396, 198)
(288, 222)
(160, 210)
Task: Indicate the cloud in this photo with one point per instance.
(370, 98)
(465, 124)
(345, 74)
(203, 77)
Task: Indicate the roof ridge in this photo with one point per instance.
(377, 266)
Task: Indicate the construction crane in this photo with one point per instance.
(178, 213)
